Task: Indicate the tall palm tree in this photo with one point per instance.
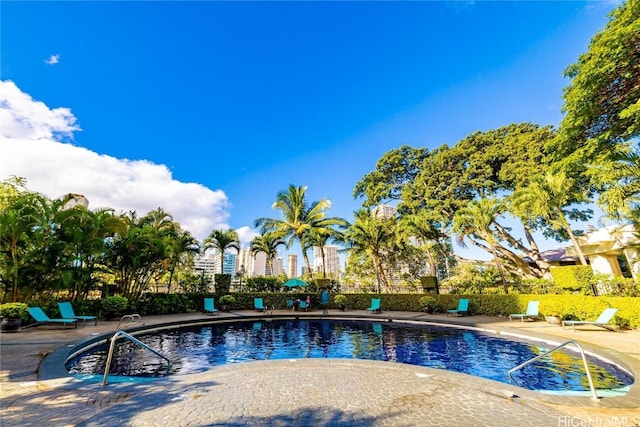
(222, 240)
(422, 226)
(546, 197)
(319, 237)
(371, 237)
(299, 217)
(476, 219)
(268, 244)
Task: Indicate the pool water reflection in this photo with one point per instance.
(481, 354)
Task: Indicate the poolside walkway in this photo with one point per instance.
(305, 392)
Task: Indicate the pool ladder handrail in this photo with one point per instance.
(594, 396)
(129, 318)
(114, 338)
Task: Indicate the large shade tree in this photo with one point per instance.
(484, 164)
(602, 102)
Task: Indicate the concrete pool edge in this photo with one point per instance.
(53, 366)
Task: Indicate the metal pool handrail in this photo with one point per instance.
(114, 338)
(594, 396)
(129, 318)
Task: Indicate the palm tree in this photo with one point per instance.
(298, 219)
(546, 197)
(84, 234)
(476, 219)
(422, 226)
(319, 237)
(268, 244)
(371, 237)
(222, 240)
(183, 244)
(19, 219)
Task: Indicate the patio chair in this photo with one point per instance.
(601, 321)
(463, 308)
(303, 306)
(375, 306)
(532, 312)
(42, 318)
(289, 304)
(66, 311)
(259, 305)
(209, 306)
(324, 299)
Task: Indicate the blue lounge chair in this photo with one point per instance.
(601, 321)
(532, 312)
(375, 306)
(259, 305)
(463, 308)
(304, 306)
(42, 318)
(289, 304)
(66, 311)
(209, 306)
(324, 299)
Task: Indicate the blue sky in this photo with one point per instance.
(208, 109)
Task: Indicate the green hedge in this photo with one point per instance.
(574, 277)
(581, 307)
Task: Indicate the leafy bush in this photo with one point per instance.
(428, 303)
(14, 310)
(227, 299)
(577, 278)
(223, 283)
(165, 304)
(429, 283)
(114, 305)
(340, 299)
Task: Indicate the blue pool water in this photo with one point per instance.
(481, 354)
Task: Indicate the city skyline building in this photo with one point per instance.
(384, 211)
(292, 266)
(331, 261)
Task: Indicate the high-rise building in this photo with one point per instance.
(292, 266)
(278, 267)
(384, 211)
(205, 265)
(331, 261)
(229, 264)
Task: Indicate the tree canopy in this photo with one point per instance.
(602, 102)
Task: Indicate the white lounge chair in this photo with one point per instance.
(601, 321)
(532, 312)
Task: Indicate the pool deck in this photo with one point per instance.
(302, 392)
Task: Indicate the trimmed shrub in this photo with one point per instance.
(577, 278)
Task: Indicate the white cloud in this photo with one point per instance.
(246, 235)
(31, 147)
(22, 117)
(53, 59)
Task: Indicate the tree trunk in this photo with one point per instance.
(504, 281)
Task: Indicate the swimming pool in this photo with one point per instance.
(486, 355)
